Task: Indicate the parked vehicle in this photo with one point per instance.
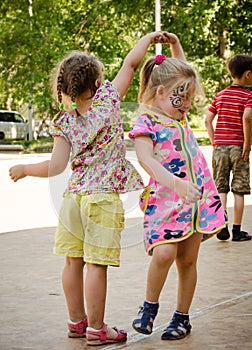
(13, 126)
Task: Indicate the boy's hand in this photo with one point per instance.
(246, 153)
(17, 172)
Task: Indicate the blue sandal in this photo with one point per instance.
(147, 313)
(178, 328)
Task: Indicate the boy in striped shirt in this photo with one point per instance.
(231, 139)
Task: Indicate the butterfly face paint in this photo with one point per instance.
(178, 95)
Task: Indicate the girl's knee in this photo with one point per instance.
(93, 267)
(186, 263)
(74, 261)
(164, 256)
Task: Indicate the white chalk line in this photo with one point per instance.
(134, 338)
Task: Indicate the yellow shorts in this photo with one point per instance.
(90, 226)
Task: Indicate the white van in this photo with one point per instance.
(13, 126)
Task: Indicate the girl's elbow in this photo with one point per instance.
(142, 163)
(55, 170)
(145, 165)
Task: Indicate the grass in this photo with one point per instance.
(42, 145)
(45, 145)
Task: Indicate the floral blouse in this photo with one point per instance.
(98, 150)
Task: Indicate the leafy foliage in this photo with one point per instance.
(35, 34)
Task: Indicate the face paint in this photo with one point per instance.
(176, 98)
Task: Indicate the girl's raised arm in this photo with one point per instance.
(176, 48)
(136, 55)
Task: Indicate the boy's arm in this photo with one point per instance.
(53, 167)
(209, 125)
(246, 120)
(136, 55)
(186, 190)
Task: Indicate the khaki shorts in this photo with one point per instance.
(90, 226)
(227, 160)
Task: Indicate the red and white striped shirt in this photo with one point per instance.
(229, 104)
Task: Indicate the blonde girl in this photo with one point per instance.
(181, 204)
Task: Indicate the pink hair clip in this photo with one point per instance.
(159, 59)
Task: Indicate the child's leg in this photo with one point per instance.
(161, 261)
(240, 182)
(186, 261)
(72, 281)
(187, 271)
(238, 234)
(95, 293)
(238, 208)
(224, 234)
(223, 198)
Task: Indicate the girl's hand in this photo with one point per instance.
(162, 38)
(17, 172)
(187, 191)
(172, 38)
(169, 38)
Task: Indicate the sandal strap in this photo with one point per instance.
(120, 333)
(177, 328)
(101, 333)
(147, 314)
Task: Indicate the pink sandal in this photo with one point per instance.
(77, 330)
(99, 337)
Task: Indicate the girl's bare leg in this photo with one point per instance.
(187, 271)
(161, 261)
(72, 281)
(96, 292)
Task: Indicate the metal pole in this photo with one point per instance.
(158, 24)
(30, 111)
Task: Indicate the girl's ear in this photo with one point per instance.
(160, 91)
(99, 81)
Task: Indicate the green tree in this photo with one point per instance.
(211, 32)
(30, 45)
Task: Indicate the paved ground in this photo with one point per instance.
(33, 313)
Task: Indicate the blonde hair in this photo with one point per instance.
(171, 73)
